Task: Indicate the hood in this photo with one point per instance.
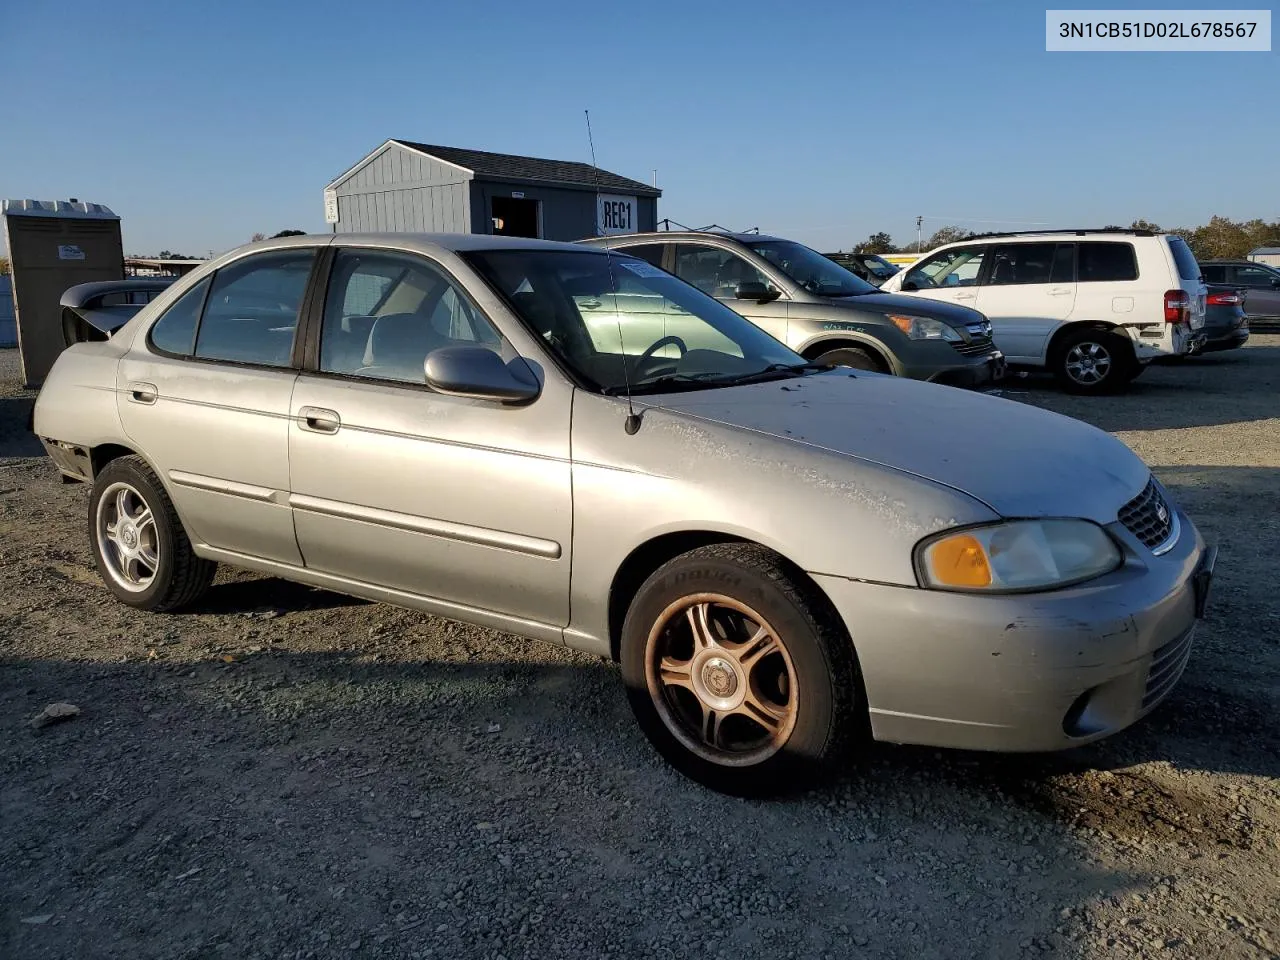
(1019, 460)
(951, 313)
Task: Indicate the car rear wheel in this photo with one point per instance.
(739, 672)
(1093, 361)
(857, 357)
(139, 545)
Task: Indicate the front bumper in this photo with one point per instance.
(1028, 672)
(961, 371)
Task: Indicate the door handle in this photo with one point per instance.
(966, 296)
(140, 392)
(589, 304)
(1060, 292)
(319, 420)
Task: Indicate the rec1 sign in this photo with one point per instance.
(615, 214)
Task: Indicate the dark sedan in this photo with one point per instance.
(1225, 324)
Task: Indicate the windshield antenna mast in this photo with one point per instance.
(632, 424)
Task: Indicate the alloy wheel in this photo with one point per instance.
(127, 537)
(1088, 363)
(721, 679)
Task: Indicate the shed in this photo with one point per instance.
(8, 321)
(1267, 255)
(408, 186)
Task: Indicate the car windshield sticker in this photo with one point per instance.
(642, 268)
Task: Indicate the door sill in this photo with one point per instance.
(533, 629)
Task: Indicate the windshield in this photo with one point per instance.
(810, 269)
(597, 311)
(881, 268)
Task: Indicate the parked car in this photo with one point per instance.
(1225, 324)
(866, 266)
(94, 311)
(1259, 283)
(781, 557)
(1092, 306)
(821, 310)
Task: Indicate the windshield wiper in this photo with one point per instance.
(775, 371)
(690, 381)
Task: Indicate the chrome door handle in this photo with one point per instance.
(140, 392)
(591, 304)
(319, 420)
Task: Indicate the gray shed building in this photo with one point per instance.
(418, 187)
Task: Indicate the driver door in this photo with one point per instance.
(951, 275)
(719, 272)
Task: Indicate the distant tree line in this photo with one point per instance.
(283, 233)
(1221, 237)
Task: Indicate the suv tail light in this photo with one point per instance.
(1230, 299)
(1177, 306)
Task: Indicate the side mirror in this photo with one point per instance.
(755, 290)
(1275, 284)
(909, 285)
(479, 373)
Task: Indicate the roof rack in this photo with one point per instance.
(664, 226)
(1078, 231)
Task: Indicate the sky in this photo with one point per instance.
(201, 124)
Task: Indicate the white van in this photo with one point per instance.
(1093, 306)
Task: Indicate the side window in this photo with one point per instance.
(1251, 276)
(1020, 263)
(1214, 272)
(646, 251)
(957, 267)
(714, 271)
(175, 331)
(385, 312)
(252, 310)
(1101, 262)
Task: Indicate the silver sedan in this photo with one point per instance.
(573, 446)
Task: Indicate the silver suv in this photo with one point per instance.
(820, 309)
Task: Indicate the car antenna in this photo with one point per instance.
(632, 423)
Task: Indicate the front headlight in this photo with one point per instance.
(924, 328)
(1017, 555)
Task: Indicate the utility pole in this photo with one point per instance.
(919, 241)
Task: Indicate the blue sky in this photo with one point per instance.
(203, 123)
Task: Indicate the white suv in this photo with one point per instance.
(1093, 306)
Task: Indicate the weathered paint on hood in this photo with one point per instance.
(1018, 459)
(953, 313)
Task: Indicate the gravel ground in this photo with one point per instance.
(289, 773)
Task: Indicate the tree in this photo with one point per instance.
(876, 243)
(1141, 224)
(289, 233)
(4, 266)
(948, 234)
(258, 236)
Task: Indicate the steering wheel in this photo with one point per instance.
(659, 344)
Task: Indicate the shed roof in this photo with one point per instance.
(1265, 251)
(70, 209)
(508, 166)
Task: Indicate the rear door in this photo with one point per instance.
(1261, 290)
(952, 275)
(719, 272)
(1028, 291)
(205, 393)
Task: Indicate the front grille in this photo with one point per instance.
(1149, 517)
(1167, 665)
(975, 347)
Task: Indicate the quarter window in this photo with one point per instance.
(715, 271)
(385, 312)
(252, 311)
(175, 331)
(958, 267)
(1188, 269)
(1101, 262)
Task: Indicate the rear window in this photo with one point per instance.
(1098, 262)
(1188, 269)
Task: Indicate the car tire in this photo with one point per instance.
(146, 561)
(769, 696)
(1092, 361)
(856, 357)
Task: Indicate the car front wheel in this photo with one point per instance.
(739, 672)
(139, 545)
(856, 357)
